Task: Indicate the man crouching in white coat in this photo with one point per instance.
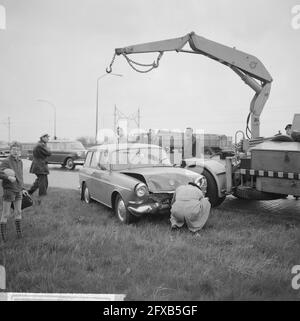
(189, 206)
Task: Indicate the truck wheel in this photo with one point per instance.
(69, 163)
(212, 190)
(122, 213)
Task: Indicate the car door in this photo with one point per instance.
(95, 183)
(61, 153)
(87, 171)
(102, 186)
(106, 176)
(55, 153)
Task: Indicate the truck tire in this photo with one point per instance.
(212, 190)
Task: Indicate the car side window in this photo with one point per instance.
(88, 159)
(104, 160)
(54, 146)
(62, 147)
(95, 160)
(67, 146)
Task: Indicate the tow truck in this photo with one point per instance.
(262, 168)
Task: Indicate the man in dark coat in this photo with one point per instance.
(39, 167)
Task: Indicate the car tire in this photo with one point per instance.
(86, 196)
(69, 163)
(212, 190)
(122, 213)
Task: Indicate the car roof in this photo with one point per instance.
(112, 147)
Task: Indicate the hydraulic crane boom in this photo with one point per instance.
(247, 67)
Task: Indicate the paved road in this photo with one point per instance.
(63, 178)
(59, 177)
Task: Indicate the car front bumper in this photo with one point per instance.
(138, 209)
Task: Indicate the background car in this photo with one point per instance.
(66, 153)
(133, 179)
(4, 149)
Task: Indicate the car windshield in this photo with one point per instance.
(139, 157)
(76, 146)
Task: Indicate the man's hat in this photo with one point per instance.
(45, 135)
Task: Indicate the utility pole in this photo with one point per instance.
(8, 124)
(118, 114)
(139, 119)
(115, 119)
(97, 101)
(54, 109)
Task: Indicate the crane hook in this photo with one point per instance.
(109, 69)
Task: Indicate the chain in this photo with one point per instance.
(132, 63)
(155, 64)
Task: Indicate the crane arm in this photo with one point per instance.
(249, 68)
(174, 44)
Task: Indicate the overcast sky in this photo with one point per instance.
(55, 50)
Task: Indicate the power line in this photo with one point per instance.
(119, 115)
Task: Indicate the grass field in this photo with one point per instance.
(72, 247)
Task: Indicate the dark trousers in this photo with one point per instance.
(40, 183)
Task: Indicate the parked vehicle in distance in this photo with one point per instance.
(132, 179)
(66, 153)
(27, 149)
(4, 149)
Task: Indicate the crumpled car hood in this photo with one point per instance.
(163, 179)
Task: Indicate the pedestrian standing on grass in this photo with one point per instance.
(189, 206)
(39, 167)
(11, 173)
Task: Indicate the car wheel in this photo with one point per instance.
(212, 190)
(86, 194)
(122, 213)
(69, 163)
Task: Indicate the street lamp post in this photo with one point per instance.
(97, 100)
(54, 108)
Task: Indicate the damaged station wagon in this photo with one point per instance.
(133, 179)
